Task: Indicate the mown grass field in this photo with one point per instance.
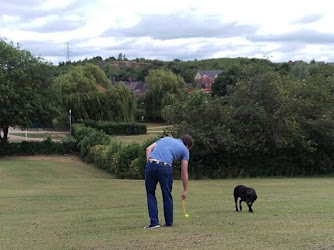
(154, 130)
(63, 203)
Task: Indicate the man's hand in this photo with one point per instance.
(184, 195)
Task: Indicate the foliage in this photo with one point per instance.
(119, 103)
(114, 128)
(206, 120)
(97, 155)
(25, 94)
(221, 83)
(80, 93)
(97, 75)
(111, 156)
(165, 88)
(79, 131)
(137, 166)
(46, 147)
(94, 137)
(300, 70)
(124, 157)
(267, 124)
(263, 118)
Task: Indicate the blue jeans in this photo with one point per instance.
(155, 173)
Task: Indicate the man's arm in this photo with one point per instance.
(184, 178)
(149, 149)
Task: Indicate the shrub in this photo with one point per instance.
(124, 157)
(46, 147)
(92, 138)
(137, 166)
(110, 155)
(97, 155)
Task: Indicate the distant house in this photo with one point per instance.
(204, 79)
(136, 88)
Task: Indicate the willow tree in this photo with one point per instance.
(119, 104)
(81, 92)
(164, 88)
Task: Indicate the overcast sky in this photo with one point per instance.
(171, 29)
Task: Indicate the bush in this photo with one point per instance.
(110, 156)
(92, 138)
(82, 132)
(75, 128)
(124, 157)
(46, 147)
(97, 155)
(137, 166)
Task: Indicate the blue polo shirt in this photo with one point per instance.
(169, 149)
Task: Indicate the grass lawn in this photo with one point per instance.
(154, 130)
(129, 139)
(62, 203)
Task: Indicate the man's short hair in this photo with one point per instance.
(187, 140)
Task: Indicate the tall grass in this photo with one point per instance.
(63, 203)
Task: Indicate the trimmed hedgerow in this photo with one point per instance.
(46, 147)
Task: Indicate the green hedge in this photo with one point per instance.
(114, 128)
(46, 147)
(124, 161)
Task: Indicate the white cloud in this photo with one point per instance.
(55, 4)
(9, 19)
(186, 29)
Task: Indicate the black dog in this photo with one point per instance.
(246, 194)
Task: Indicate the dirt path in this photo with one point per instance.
(22, 138)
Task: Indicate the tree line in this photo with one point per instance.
(261, 118)
(33, 90)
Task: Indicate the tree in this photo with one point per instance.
(97, 75)
(300, 70)
(164, 88)
(207, 121)
(119, 104)
(80, 93)
(25, 95)
(224, 79)
(267, 124)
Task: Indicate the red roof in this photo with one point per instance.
(100, 88)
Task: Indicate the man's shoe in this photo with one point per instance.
(152, 226)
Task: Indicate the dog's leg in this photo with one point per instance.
(236, 203)
(250, 207)
(240, 205)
